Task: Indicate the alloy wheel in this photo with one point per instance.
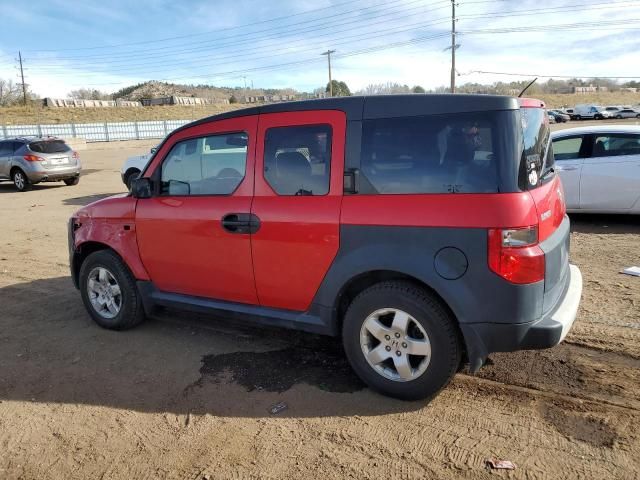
(395, 345)
(104, 292)
(19, 180)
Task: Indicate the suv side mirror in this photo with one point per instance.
(141, 188)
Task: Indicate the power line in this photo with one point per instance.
(349, 39)
(549, 76)
(272, 33)
(196, 34)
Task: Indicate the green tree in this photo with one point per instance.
(340, 89)
(418, 89)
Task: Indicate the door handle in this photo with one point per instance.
(566, 169)
(241, 223)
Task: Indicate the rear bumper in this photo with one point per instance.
(548, 331)
(53, 175)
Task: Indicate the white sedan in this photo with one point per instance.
(599, 167)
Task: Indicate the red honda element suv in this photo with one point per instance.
(426, 230)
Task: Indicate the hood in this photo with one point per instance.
(121, 206)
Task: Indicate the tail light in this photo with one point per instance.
(33, 158)
(515, 255)
(75, 155)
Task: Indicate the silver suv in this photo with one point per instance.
(29, 160)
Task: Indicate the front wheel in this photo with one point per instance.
(72, 181)
(109, 291)
(401, 341)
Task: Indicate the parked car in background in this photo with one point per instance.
(586, 111)
(30, 160)
(627, 113)
(134, 165)
(600, 168)
(349, 217)
(613, 109)
(559, 116)
(571, 112)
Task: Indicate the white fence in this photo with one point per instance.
(96, 132)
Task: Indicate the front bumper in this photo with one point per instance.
(72, 250)
(548, 331)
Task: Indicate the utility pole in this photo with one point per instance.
(328, 54)
(453, 46)
(24, 86)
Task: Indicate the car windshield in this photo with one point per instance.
(49, 146)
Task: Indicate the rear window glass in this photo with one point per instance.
(535, 162)
(431, 154)
(49, 146)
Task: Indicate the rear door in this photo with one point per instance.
(191, 235)
(298, 194)
(569, 153)
(610, 178)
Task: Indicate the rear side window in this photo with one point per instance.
(431, 154)
(537, 159)
(616, 145)
(49, 146)
(567, 148)
(212, 165)
(6, 148)
(297, 159)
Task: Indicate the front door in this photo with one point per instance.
(298, 193)
(610, 178)
(190, 234)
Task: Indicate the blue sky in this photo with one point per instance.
(110, 44)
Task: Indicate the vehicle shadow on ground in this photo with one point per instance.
(605, 223)
(87, 199)
(52, 352)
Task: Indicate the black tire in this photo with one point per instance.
(619, 117)
(637, 116)
(71, 181)
(578, 117)
(433, 317)
(131, 311)
(20, 180)
(130, 176)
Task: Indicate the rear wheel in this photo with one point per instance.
(578, 117)
(618, 116)
(72, 181)
(20, 180)
(401, 341)
(109, 291)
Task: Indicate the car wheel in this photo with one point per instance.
(20, 180)
(401, 341)
(130, 176)
(72, 181)
(637, 116)
(109, 291)
(618, 116)
(578, 117)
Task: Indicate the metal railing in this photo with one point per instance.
(96, 132)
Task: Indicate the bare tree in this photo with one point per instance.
(10, 92)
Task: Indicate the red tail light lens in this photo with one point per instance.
(75, 155)
(514, 254)
(33, 158)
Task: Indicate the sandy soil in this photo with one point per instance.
(189, 397)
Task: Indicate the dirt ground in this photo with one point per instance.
(185, 397)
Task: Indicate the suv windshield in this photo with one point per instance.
(49, 146)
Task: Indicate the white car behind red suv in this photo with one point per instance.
(134, 165)
(600, 168)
